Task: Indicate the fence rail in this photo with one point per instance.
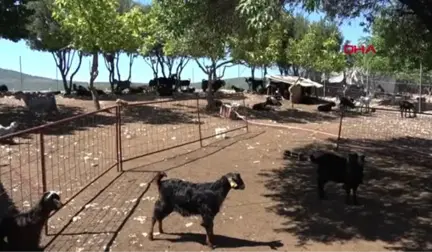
(70, 154)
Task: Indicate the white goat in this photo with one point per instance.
(364, 101)
(9, 129)
(38, 102)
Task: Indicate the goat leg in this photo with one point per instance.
(208, 225)
(348, 192)
(355, 201)
(321, 192)
(150, 235)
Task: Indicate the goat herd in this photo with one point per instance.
(405, 106)
(22, 231)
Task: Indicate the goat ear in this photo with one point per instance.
(232, 182)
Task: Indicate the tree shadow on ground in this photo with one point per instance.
(149, 114)
(27, 120)
(396, 198)
(113, 97)
(288, 115)
(222, 241)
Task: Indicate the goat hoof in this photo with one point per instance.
(150, 237)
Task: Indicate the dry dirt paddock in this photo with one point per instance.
(278, 209)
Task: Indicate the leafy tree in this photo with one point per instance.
(251, 48)
(319, 50)
(204, 34)
(46, 35)
(14, 16)
(160, 50)
(127, 44)
(261, 13)
(96, 27)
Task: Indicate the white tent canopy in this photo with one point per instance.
(304, 82)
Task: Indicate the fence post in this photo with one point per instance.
(340, 128)
(43, 168)
(119, 140)
(245, 116)
(199, 120)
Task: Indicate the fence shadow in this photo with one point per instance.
(396, 197)
(288, 115)
(158, 115)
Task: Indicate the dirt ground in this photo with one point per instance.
(277, 210)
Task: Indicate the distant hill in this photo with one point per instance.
(35, 83)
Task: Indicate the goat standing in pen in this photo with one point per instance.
(332, 167)
(187, 199)
(406, 106)
(23, 231)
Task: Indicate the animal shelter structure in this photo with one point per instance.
(298, 87)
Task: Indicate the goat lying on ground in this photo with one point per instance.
(80, 90)
(38, 102)
(263, 105)
(9, 129)
(4, 88)
(187, 199)
(332, 167)
(326, 107)
(23, 231)
(237, 90)
(406, 106)
(273, 101)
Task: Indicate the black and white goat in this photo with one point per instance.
(339, 169)
(23, 231)
(237, 89)
(406, 107)
(263, 105)
(187, 199)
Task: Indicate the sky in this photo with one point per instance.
(42, 64)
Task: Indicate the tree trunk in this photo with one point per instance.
(93, 75)
(211, 78)
(265, 71)
(66, 87)
(253, 72)
(80, 56)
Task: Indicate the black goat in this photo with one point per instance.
(263, 105)
(136, 90)
(237, 90)
(187, 199)
(332, 167)
(23, 231)
(4, 88)
(216, 85)
(218, 103)
(346, 102)
(326, 107)
(406, 106)
(80, 90)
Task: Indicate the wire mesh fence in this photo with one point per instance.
(69, 155)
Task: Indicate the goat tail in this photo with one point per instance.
(158, 178)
